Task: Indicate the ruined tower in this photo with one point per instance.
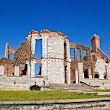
(95, 42)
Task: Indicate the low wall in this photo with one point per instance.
(81, 104)
(20, 83)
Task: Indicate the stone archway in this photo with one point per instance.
(96, 75)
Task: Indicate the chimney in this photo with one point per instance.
(95, 43)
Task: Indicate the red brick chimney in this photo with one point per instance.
(95, 43)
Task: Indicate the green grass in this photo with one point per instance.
(103, 90)
(41, 95)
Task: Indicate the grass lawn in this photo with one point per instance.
(41, 95)
(103, 90)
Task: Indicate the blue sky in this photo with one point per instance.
(78, 19)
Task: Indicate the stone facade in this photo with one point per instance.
(57, 64)
(1, 70)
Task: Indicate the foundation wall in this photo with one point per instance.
(19, 83)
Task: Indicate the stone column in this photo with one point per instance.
(16, 70)
(34, 37)
(80, 71)
(28, 68)
(81, 58)
(32, 68)
(75, 56)
(1, 70)
(44, 54)
(68, 62)
(89, 73)
(77, 77)
(44, 45)
(108, 71)
(68, 72)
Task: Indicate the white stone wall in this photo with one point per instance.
(108, 71)
(44, 45)
(68, 50)
(16, 71)
(28, 68)
(53, 58)
(44, 67)
(68, 73)
(100, 68)
(1, 70)
(55, 62)
(33, 42)
(32, 68)
(77, 77)
(56, 47)
(80, 71)
(19, 83)
(44, 54)
(55, 71)
(68, 62)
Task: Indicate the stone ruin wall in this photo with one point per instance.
(53, 58)
(101, 61)
(55, 62)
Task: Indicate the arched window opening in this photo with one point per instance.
(96, 76)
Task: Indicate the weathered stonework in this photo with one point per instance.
(79, 104)
(57, 65)
(1, 70)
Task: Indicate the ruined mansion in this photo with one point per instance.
(61, 60)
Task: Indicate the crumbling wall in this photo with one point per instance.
(85, 60)
(7, 65)
(23, 53)
(100, 68)
(99, 58)
(1, 70)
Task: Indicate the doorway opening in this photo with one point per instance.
(24, 70)
(96, 76)
(86, 73)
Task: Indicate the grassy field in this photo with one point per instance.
(103, 90)
(41, 95)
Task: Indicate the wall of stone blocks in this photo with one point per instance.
(1, 70)
(55, 71)
(16, 71)
(19, 83)
(53, 57)
(100, 68)
(56, 47)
